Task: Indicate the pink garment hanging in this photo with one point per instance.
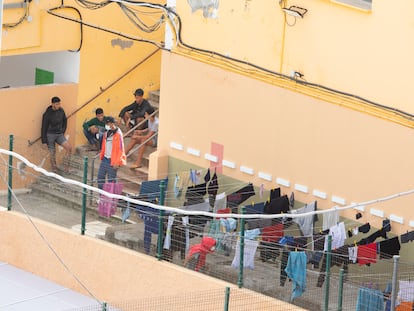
(107, 206)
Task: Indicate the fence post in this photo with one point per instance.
(85, 180)
(241, 263)
(328, 273)
(10, 177)
(227, 299)
(104, 306)
(341, 289)
(160, 220)
(396, 258)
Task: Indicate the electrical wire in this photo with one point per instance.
(26, 4)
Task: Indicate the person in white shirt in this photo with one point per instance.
(145, 137)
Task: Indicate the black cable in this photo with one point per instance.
(81, 25)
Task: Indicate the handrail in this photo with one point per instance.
(92, 173)
(140, 123)
(140, 145)
(102, 90)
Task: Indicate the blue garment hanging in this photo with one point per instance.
(370, 300)
(296, 271)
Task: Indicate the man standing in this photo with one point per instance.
(54, 123)
(94, 130)
(112, 153)
(134, 113)
(146, 137)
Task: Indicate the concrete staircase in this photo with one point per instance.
(71, 196)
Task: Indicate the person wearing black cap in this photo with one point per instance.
(112, 152)
(134, 113)
(54, 123)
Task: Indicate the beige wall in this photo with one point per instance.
(111, 273)
(22, 110)
(298, 138)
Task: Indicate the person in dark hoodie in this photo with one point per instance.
(54, 123)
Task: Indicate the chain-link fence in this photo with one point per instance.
(268, 256)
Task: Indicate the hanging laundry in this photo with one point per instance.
(386, 225)
(207, 176)
(296, 271)
(369, 300)
(292, 199)
(367, 254)
(318, 245)
(306, 222)
(277, 205)
(185, 221)
(241, 195)
(195, 194)
(256, 208)
(407, 237)
(167, 240)
(177, 190)
(377, 234)
(330, 219)
(195, 176)
(250, 247)
(183, 182)
(353, 254)
(261, 190)
(364, 228)
(389, 248)
(269, 246)
(251, 234)
(338, 234)
(406, 290)
(220, 202)
(212, 189)
(339, 257)
(258, 223)
(274, 193)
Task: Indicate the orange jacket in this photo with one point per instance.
(118, 156)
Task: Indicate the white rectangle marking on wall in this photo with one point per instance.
(319, 194)
(210, 157)
(193, 152)
(176, 146)
(411, 223)
(338, 200)
(283, 182)
(301, 188)
(396, 218)
(228, 164)
(376, 212)
(246, 170)
(265, 176)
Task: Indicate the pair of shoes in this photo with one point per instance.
(134, 166)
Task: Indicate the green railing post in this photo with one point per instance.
(84, 194)
(341, 289)
(328, 273)
(241, 264)
(160, 220)
(227, 299)
(9, 191)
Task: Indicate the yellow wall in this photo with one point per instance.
(108, 76)
(111, 273)
(363, 53)
(286, 135)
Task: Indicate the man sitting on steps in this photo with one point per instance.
(146, 137)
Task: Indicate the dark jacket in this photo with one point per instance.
(53, 122)
(138, 111)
